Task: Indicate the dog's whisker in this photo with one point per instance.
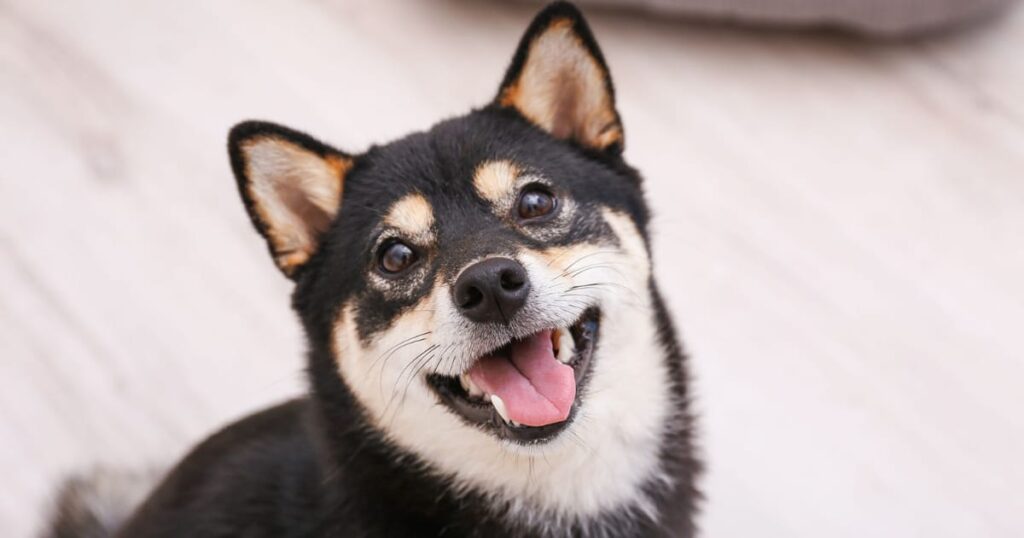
(402, 372)
(383, 366)
(588, 255)
(591, 267)
(393, 349)
(412, 378)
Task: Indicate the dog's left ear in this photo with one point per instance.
(558, 80)
(291, 185)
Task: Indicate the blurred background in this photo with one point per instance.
(839, 230)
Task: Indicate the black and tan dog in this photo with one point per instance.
(489, 354)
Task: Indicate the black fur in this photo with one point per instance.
(316, 466)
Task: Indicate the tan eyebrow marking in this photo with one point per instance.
(412, 215)
(495, 181)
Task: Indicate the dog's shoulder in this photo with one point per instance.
(259, 473)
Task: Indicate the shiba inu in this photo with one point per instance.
(488, 351)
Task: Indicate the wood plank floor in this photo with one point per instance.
(840, 231)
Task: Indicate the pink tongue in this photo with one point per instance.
(536, 388)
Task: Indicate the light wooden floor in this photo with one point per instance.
(840, 230)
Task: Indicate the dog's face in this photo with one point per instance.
(484, 287)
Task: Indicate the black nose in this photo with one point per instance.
(492, 290)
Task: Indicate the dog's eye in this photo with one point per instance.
(396, 257)
(536, 202)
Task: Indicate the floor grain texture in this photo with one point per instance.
(839, 229)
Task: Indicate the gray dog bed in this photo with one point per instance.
(891, 17)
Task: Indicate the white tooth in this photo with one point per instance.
(470, 387)
(500, 407)
(566, 346)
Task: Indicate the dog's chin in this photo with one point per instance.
(573, 346)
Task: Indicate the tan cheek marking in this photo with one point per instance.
(562, 90)
(340, 333)
(565, 260)
(495, 181)
(346, 349)
(559, 259)
(413, 215)
(418, 318)
(632, 243)
(357, 362)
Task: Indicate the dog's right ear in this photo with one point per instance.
(291, 185)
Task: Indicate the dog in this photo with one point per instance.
(489, 354)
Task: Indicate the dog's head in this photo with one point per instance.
(484, 286)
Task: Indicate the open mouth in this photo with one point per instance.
(527, 390)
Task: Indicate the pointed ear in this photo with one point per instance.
(291, 185)
(558, 80)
